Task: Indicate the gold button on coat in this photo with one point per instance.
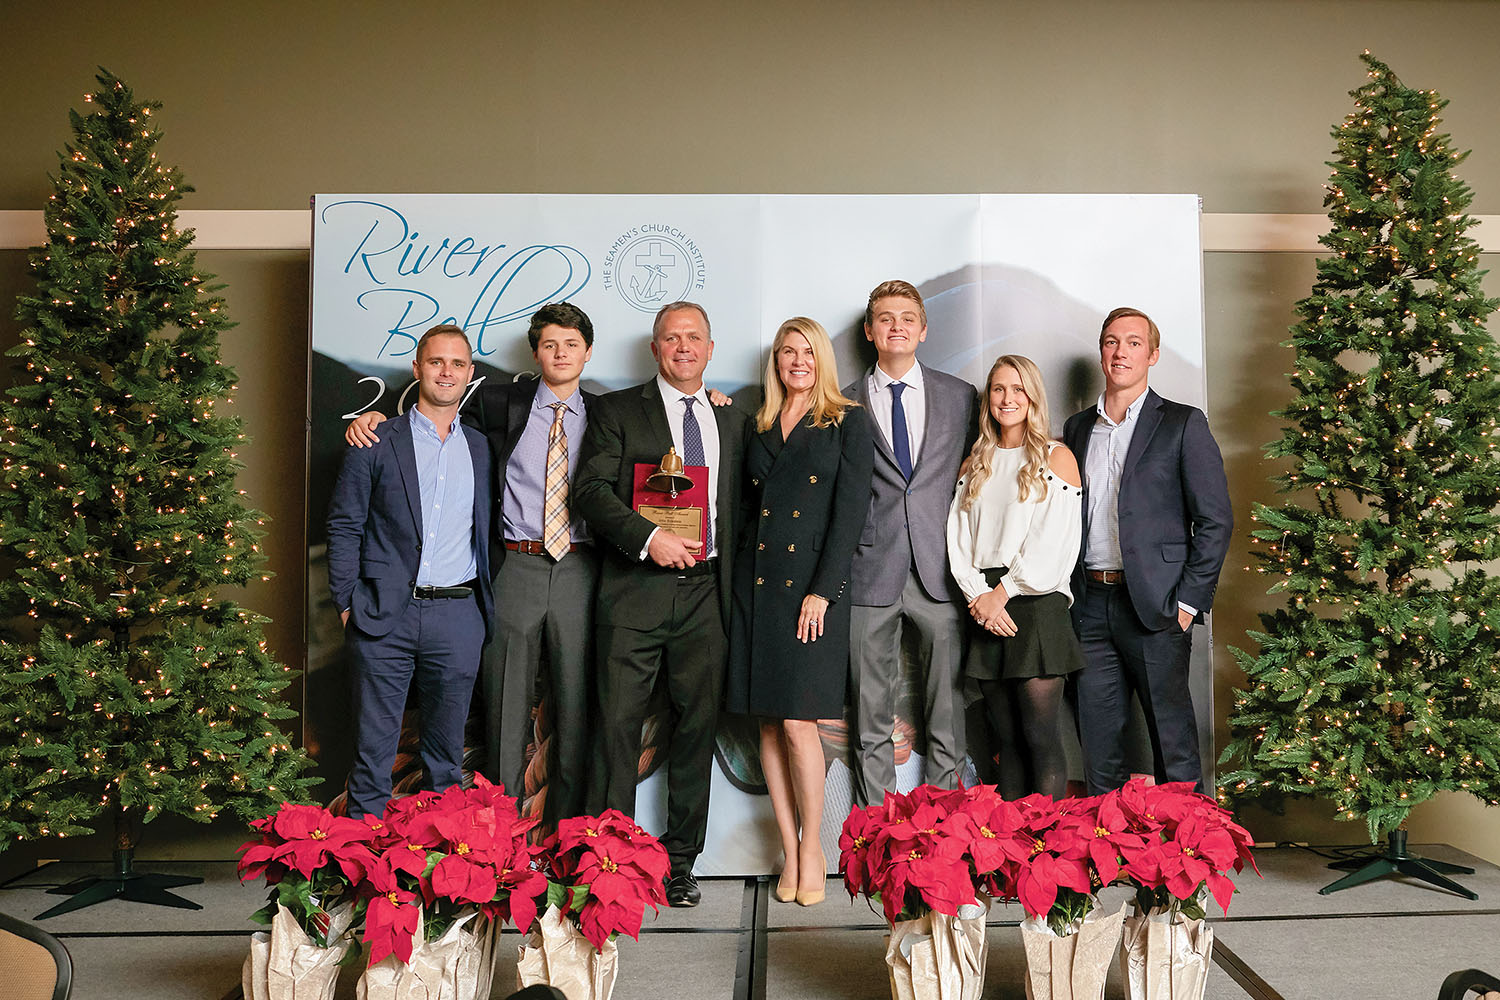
(812, 479)
(791, 548)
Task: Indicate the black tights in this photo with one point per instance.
(1024, 715)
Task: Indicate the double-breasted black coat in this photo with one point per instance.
(808, 497)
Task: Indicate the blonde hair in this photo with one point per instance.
(828, 403)
(1036, 436)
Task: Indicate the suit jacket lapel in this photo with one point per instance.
(517, 412)
(655, 410)
(862, 396)
(1145, 426)
(406, 461)
(933, 415)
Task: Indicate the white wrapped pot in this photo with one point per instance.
(938, 957)
(1071, 966)
(286, 964)
(1162, 958)
(459, 965)
(557, 954)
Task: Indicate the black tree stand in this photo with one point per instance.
(125, 883)
(1398, 861)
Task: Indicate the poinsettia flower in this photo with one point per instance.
(411, 817)
(463, 881)
(855, 839)
(304, 839)
(1041, 877)
(392, 916)
(609, 868)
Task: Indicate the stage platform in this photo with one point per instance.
(1390, 940)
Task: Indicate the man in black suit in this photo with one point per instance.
(663, 601)
(544, 583)
(1157, 524)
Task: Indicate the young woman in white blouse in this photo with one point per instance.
(1013, 538)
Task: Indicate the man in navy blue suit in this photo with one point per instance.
(408, 565)
(1157, 523)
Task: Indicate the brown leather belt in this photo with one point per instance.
(534, 548)
(1109, 576)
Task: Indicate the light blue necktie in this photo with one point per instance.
(692, 454)
(900, 439)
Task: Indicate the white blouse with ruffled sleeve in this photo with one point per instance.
(1036, 540)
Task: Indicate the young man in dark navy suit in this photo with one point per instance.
(1157, 524)
(408, 565)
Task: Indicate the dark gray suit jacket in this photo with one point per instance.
(908, 521)
(1175, 517)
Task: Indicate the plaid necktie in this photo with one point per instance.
(692, 454)
(555, 533)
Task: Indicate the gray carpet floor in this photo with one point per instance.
(1391, 939)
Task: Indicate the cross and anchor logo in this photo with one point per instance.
(654, 265)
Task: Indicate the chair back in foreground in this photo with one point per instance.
(36, 966)
(1459, 985)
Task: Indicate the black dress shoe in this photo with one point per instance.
(682, 890)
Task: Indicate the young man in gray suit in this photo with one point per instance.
(926, 422)
(1157, 523)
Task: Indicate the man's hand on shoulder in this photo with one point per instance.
(361, 430)
(718, 398)
(672, 551)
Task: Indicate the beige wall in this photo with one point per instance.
(269, 102)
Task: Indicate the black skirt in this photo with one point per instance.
(1044, 644)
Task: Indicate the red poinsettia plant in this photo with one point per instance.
(1188, 846)
(934, 849)
(602, 872)
(442, 855)
(930, 850)
(312, 860)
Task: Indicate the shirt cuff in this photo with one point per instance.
(646, 549)
(1188, 608)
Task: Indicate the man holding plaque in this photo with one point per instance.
(663, 598)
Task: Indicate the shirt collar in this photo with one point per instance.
(912, 378)
(1131, 411)
(424, 423)
(672, 394)
(546, 397)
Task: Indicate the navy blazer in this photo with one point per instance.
(499, 411)
(1175, 517)
(375, 527)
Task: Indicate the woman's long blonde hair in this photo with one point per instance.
(828, 403)
(1036, 438)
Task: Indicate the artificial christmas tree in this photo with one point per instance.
(131, 687)
(1377, 685)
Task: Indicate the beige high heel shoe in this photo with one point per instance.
(785, 893)
(811, 897)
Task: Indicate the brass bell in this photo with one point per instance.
(669, 476)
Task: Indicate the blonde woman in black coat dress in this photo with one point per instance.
(808, 460)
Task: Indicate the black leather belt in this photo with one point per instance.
(703, 567)
(444, 593)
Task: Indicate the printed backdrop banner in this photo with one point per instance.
(1023, 274)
